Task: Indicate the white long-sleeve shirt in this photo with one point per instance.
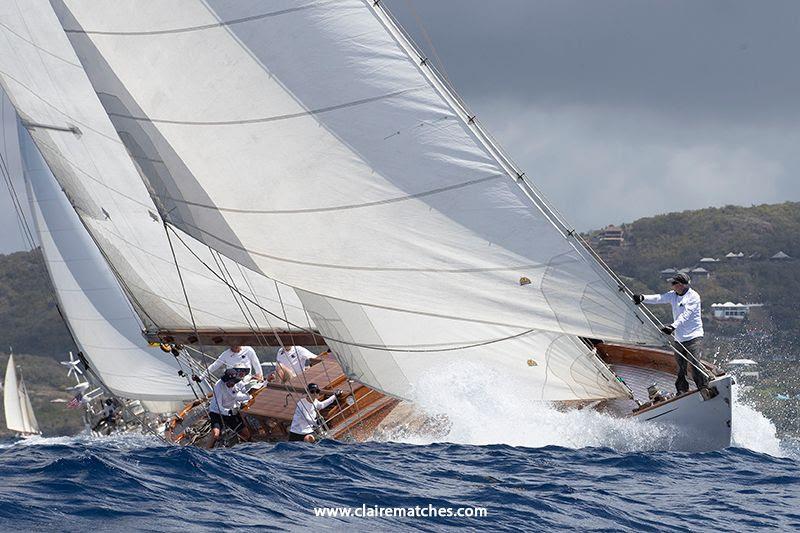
(295, 357)
(686, 310)
(246, 356)
(305, 415)
(227, 398)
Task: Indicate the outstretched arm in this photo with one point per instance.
(213, 367)
(657, 298)
(324, 403)
(255, 364)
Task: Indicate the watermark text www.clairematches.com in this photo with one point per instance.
(418, 511)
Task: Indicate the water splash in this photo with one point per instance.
(476, 405)
(752, 430)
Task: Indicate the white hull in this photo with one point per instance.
(700, 422)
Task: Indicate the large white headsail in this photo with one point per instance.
(99, 317)
(49, 88)
(384, 202)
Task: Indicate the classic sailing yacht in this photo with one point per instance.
(17, 404)
(306, 157)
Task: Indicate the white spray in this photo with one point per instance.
(481, 407)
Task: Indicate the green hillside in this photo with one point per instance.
(29, 319)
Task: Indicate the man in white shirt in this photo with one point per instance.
(292, 360)
(305, 414)
(229, 395)
(687, 326)
(237, 357)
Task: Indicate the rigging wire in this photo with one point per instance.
(350, 343)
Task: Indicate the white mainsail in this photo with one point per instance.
(93, 304)
(401, 226)
(47, 84)
(16, 403)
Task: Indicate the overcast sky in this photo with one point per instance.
(623, 109)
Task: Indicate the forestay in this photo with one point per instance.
(91, 301)
(49, 88)
(399, 223)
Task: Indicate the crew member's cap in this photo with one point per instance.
(679, 278)
(232, 374)
(313, 388)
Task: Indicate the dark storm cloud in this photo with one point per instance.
(721, 59)
(623, 109)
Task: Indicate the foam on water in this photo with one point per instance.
(482, 407)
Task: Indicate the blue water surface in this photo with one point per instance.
(137, 483)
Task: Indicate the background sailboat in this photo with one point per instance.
(17, 403)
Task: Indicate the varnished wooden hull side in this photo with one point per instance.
(643, 357)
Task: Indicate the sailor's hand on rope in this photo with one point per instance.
(338, 392)
(638, 298)
(667, 330)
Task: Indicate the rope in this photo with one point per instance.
(349, 343)
(189, 307)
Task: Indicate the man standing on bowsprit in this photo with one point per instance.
(687, 325)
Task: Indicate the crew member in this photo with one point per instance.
(237, 357)
(229, 394)
(106, 415)
(687, 326)
(305, 414)
(292, 361)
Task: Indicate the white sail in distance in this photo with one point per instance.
(401, 226)
(16, 403)
(49, 88)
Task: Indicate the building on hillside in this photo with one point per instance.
(780, 256)
(668, 273)
(699, 272)
(612, 236)
(755, 256)
(733, 255)
(708, 260)
(731, 311)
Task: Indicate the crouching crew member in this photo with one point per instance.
(229, 394)
(687, 326)
(305, 415)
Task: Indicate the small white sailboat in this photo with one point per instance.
(20, 417)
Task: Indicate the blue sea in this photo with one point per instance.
(557, 472)
(138, 483)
